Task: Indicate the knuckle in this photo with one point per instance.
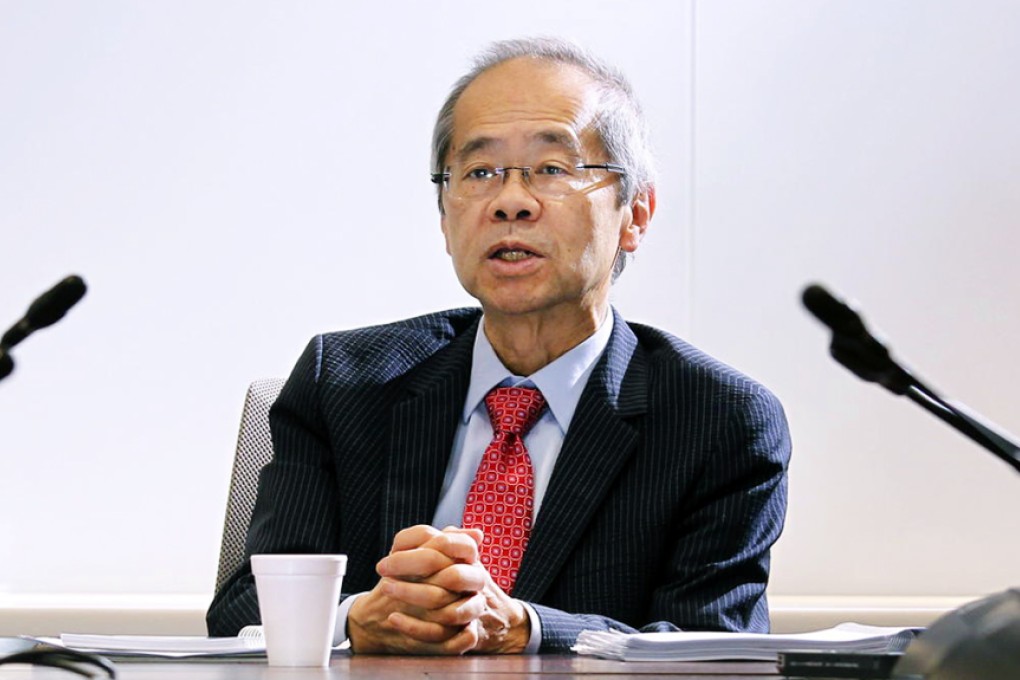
(457, 616)
(431, 598)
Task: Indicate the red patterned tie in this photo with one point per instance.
(501, 499)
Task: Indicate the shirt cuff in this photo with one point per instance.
(340, 629)
(535, 641)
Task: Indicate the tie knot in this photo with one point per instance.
(514, 409)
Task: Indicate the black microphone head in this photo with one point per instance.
(831, 311)
(6, 364)
(54, 303)
(852, 345)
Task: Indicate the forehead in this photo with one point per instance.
(523, 104)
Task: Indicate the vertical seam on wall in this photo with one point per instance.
(692, 215)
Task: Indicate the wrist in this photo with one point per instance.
(519, 629)
(504, 626)
(358, 632)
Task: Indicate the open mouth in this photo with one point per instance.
(512, 254)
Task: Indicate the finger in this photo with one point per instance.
(419, 630)
(423, 595)
(462, 641)
(413, 537)
(475, 534)
(461, 578)
(461, 612)
(458, 612)
(416, 564)
(459, 546)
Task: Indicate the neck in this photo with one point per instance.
(527, 343)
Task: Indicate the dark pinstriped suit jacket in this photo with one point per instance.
(668, 491)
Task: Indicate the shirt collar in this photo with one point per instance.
(561, 382)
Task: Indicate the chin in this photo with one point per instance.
(508, 303)
(509, 309)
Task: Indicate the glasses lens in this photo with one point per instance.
(557, 178)
(553, 178)
(475, 181)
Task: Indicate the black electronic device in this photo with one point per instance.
(978, 641)
(837, 664)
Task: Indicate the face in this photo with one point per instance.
(519, 254)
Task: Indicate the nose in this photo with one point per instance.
(514, 201)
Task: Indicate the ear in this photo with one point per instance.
(446, 235)
(640, 215)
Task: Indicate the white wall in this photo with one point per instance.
(874, 146)
(232, 177)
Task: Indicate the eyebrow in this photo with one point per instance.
(546, 137)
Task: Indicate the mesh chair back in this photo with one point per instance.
(254, 450)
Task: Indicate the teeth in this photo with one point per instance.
(513, 255)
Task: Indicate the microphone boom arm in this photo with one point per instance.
(956, 416)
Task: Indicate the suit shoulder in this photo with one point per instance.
(385, 351)
(734, 411)
(673, 359)
(442, 326)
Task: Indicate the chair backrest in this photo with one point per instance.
(254, 450)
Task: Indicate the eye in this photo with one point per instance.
(481, 172)
(554, 169)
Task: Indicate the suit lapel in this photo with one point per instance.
(423, 425)
(598, 443)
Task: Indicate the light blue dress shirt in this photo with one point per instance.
(561, 383)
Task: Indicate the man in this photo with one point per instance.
(501, 480)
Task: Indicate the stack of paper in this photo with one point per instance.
(846, 637)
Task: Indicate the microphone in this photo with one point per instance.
(853, 345)
(48, 309)
(831, 311)
(858, 350)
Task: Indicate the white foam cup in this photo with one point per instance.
(298, 598)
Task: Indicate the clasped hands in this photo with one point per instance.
(434, 596)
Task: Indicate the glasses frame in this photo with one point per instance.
(443, 178)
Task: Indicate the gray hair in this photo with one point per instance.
(619, 124)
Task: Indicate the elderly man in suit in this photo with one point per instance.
(504, 478)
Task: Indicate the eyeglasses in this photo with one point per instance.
(550, 179)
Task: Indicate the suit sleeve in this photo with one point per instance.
(296, 507)
(718, 563)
